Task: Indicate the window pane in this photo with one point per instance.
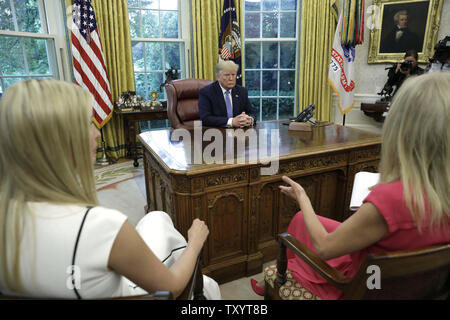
(270, 83)
(270, 5)
(134, 16)
(287, 83)
(252, 5)
(256, 107)
(137, 49)
(169, 5)
(253, 82)
(36, 53)
(172, 55)
(154, 81)
(133, 3)
(153, 56)
(6, 18)
(252, 55)
(270, 25)
(252, 24)
(270, 55)
(287, 25)
(150, 4)
(28, 18)
(269, 109)
(11, 81)
(169, 23)
(150, 24)
(286, 108)
(140, 80)
(287, 55)
(11, 56)
(288, 4)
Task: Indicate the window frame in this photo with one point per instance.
(183, 37)
(53, 32)
(279, 40)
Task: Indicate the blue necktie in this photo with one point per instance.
(228, 103)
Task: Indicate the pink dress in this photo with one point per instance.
(403, 235)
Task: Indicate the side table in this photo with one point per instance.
(129, 119)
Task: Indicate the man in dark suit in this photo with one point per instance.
(401, 38)
(224, 103)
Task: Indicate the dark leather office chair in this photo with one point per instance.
(182, 102)
(412, 274)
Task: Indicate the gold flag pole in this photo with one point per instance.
(104, 159)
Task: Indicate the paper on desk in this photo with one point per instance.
(363, 181)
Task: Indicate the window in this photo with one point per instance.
(29, 46)
(157, 45)
(271, 38)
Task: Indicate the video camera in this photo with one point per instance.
(394, 79)
(441, 51)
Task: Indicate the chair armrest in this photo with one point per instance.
(194, 288)
(157, 295)
(333, 276)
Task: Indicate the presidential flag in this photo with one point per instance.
(341, 72)
(230, 37)
(88, 61)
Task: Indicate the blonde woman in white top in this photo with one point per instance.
(48, 145)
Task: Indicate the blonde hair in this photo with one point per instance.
(45, 157)
(226, 65)
(416, 146)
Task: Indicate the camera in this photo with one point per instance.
(406, 66)
(441, 51)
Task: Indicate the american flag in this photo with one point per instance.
(225, 54)
(88, 61)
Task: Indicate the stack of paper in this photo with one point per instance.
(363, 181)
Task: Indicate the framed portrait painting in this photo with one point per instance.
(400, 25)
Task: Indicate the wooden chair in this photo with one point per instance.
(193, 291)
(413, 274)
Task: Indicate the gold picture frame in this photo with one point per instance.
(423, 20)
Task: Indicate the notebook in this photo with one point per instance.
(363, 181)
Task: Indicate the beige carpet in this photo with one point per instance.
(121, 186)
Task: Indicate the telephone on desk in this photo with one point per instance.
(300, 123)
(306, 114)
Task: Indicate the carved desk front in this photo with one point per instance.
(197, 173)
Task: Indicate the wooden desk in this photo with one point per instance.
(375, 110)
(129, 120)
(243, 209)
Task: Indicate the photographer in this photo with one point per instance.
(399, 72)
(409, 66)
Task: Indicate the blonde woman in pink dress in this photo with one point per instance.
(408, 209)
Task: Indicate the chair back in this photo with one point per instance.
(414, 274)
(182, 102)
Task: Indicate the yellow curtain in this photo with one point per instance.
(113, 26)
(206, 15)
(318, 27)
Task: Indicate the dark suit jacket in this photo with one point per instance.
(212, 107)
(409, 40)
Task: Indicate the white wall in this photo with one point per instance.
(370, 78)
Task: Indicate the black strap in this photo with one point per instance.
(75, 252)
